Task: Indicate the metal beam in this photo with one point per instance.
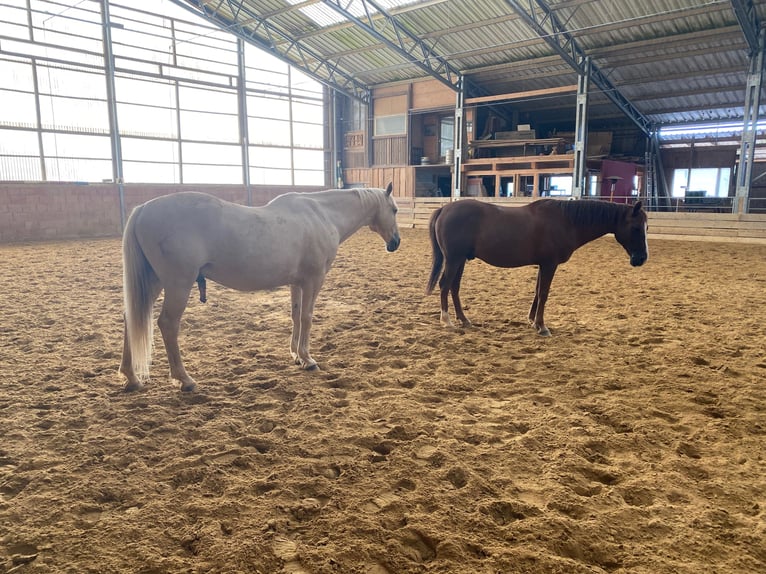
(750, 127)
(244, 134)
(345, 25)
(399, 39)
(458, 141)
(748, 21)
(290, 51)
(111, 102)
(538, 15)
(580, 170)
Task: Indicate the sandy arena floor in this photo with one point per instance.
(632, 441)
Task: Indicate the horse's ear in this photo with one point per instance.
(390, 188)
(637, 207)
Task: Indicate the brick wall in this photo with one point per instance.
(52, 211)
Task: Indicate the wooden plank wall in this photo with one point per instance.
(701, 226)
(390, 151)
(726, 227)
(401, 177)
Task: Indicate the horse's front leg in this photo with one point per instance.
(170, 324)
(310, 290)
(296, 296)
(544, 279)
(533, 308)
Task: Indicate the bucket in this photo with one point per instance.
(449, 156)
(473, 189)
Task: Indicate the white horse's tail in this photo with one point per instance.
(137, 279)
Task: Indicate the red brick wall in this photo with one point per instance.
(52, 211)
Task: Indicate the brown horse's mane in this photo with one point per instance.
(584, 212)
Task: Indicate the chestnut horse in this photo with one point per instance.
(172, 241)
(544, 233)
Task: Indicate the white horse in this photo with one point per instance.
(172, 241)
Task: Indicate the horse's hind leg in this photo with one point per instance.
(169, 322)
(132, 382)
(456, 296)
(296, 298)
(446, 284)
(309, 291)
(544, 279)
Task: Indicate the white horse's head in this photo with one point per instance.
(384, 219)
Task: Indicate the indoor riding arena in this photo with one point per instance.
(630, 441)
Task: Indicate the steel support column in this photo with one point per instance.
(750, 128)
(457, 139)
(663, 195)
(580, 175)
(650, 175)
(111, 104)
(244, 137)
(336, 130)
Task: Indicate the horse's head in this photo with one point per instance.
(631, 234)
(384, 219)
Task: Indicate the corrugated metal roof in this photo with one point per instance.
(674, 61)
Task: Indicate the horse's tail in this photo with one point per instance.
(137, 279)
(437, 257)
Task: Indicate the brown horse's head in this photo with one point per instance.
(384, 219)
(631, 234)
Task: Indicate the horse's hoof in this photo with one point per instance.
(188, 387)
(544, 332)
(132, 386)
(313, 367)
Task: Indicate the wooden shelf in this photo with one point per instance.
(515, 167)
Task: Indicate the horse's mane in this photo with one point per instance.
(591, 211)
(369, 196)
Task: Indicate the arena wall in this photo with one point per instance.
(689, 226)
(45, 212)
(49, 212)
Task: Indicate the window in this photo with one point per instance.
(391, 125)
(390, 114)
(713, 181)
(182, 127)
(561, 185)
(446, 135)
(354, 116)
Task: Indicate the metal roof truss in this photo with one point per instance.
(748, 21)
(542, 20)
(278, 43)
(387, 29)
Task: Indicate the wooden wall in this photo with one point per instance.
(401, 177)
(34, 212)
(432, 94)
(391, 150)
